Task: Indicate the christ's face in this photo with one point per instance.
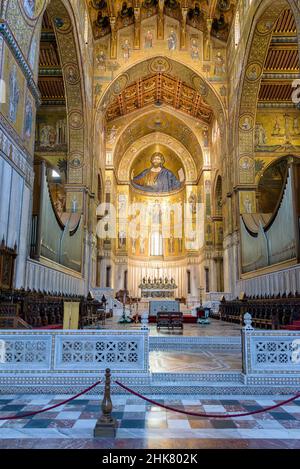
(157, 161)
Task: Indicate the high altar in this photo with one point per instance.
(158, 288)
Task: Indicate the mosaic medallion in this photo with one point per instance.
(71, 74)
(253, 72)
(159, 65)
(246, 122)
(75, 119)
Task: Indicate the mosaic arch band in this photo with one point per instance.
(157, 178)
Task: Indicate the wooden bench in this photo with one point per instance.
(169, 320)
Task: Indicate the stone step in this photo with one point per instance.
(208, 378)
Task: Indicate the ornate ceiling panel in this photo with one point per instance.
(286, 24)
(158, 89)
(52, 89)
(282, 62)
(282, 58)
(220, 14)
(280, 92)
(51, 84)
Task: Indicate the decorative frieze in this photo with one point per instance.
(74, 352)
(5, 31)
(195, 343)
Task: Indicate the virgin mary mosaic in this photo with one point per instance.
(157, 178)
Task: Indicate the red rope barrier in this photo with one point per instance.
(212, 416)
(31, 414)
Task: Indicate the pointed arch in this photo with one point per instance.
(259, 39)
(161, 64)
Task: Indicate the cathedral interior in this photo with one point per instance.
(150, 220)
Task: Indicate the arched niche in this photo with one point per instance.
(218, 197)
(190, 169)
(151, 119)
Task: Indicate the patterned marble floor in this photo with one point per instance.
(141, 425)
(215, 328)
(188, 362)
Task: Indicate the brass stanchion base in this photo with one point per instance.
(106, 429)
(106, 425)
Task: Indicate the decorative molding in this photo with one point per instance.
(20, 158)
(66, 362)
(271, 283)
(10, 40)
(271, 353)
(74, 352)
(194, 343)
(276, 105)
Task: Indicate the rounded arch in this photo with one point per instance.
(129, 156)
(62, 17)
(189, 140)
(265, 18)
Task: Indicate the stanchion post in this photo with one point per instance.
(106, 425)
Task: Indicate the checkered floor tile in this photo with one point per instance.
(140, 420)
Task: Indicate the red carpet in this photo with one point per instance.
(187, 319)
(293, 327)
(50, 328)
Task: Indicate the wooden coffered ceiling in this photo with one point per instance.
(221, 12)
(160, 89)
(51, 84)
(282, 63)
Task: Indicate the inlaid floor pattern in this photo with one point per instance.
(141, 425)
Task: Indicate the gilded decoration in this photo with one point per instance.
(265, 26)
(171, 91)
(14, 104)
(110, 18)
(277, 131)
(246, 167)
(208, 98)
(253, 72)
(250, 87)
(64, 32)
(247, 200)
(164, 123)
(72, 74)
(157, 169)
(146, 142)
(160, 65)
(246, 122)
